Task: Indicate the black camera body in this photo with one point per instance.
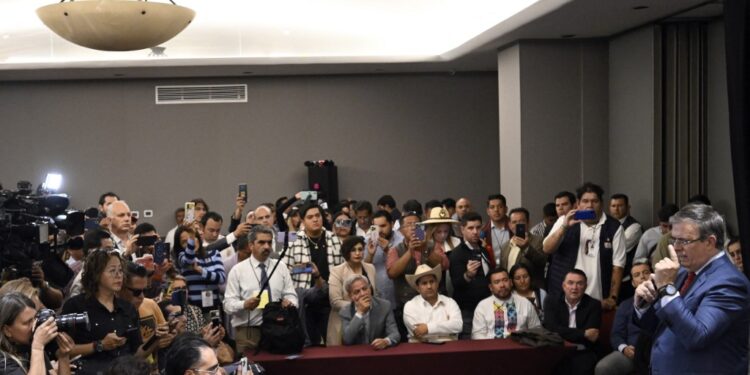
(27, 219)
(67, 323)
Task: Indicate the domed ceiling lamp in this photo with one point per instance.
(116, 25)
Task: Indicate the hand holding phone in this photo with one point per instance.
(189, 212)
(585, 215)
(520, 230)
(302, 268)
(419, 233)
(243, 192)
(146, 240)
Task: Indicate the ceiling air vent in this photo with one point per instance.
(201, 94)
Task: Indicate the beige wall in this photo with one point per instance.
(413, 136)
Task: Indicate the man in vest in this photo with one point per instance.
(594, 244)
(619, 208)
(404, 259)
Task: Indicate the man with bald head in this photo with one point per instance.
(463, 205)
(118, 215)
(264, 216)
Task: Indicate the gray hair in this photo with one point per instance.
(352, 279)
(708, 221)
(111, 211)
(256, 230)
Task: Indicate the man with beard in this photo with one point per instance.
(504, 312)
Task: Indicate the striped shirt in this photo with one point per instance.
(210, 278)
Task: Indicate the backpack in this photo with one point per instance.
(281, 330)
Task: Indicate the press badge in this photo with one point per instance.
(207, 297)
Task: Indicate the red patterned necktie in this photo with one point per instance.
(687, 283)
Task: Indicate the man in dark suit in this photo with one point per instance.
(576, 317)
(368, 320)
(524, 247)
(625, 332)
(696, 303)
(470, 263)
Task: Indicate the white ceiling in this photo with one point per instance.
(235, 37)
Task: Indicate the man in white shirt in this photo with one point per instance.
(243, 300)
(430, 316)
(504, 312)
(651, 236)
(496, 231)
(120, 225)
(589, 240)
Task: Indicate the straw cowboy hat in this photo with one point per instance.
(424, 270)
(439, 215)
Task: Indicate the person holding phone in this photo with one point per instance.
(590, 240)
(523, 248)
(353, 251)
(114, 321)
(404, 258)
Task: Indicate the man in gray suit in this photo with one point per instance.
(368, 319)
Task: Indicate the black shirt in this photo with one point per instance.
(123, 321)
(319, 255)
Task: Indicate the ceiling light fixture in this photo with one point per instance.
(116, 25)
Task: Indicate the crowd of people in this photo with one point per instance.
(362, 274)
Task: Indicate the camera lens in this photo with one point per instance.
(73, 322)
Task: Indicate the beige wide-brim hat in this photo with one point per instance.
(424, 270)
(439, 215)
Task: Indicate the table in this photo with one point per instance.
(457, 357)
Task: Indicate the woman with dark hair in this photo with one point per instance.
(22, 345)
(353, 251)
(114, 322)
(190, 354)
(520, 275)
(342, 225)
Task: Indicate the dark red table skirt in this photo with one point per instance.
(457, 357)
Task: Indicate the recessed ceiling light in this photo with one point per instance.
(6, 36)
(640, 7)
(568, 36)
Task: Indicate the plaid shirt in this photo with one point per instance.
(299, 252)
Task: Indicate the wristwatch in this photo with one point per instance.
(98, 346)
(667, 290)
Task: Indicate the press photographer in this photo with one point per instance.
(25, 334)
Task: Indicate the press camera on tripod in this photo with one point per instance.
(30, 222)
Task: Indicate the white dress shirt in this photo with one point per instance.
(483, 326)
(243, 282)
(588, 261)
(632, 235)
(500, 236)
(443, 320)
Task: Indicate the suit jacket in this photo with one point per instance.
(468, 293)
(706, 330)
(381, 321)
(532, 257)
(588, 315)
(339, 299)
(624, 330)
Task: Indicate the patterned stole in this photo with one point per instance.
(506, 319)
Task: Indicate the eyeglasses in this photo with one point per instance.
(213, 370)
(681, 242)
(136, 292)
(343, 223)
(115, 272)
